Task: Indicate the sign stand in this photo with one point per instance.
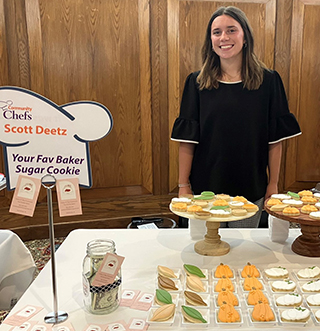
(55, 316)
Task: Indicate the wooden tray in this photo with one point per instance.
(308, 243)
(212, 245)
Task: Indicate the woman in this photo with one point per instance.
(233, 117)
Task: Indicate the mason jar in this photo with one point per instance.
(99, 299)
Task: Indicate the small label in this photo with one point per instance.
(143, 302)
(22, 316)
(128, 297)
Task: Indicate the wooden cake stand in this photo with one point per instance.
(212, 245)
(308, 243)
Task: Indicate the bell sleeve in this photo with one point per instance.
(283, 124)
(186, 126)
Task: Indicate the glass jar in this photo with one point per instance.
(99, 299)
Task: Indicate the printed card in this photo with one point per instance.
(108, 270)
(22, 315)
(95, 327)
(128, 297)
(137, 324)
(69, 201)
(143, 302)
(66, 326)
(117, 326)
(25, 196)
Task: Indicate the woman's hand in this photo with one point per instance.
(272, 188)
(184, 190)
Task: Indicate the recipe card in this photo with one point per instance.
(144, 302)
(25, 196)
(117, 326)
(137, 324)
(128, 297)
(69, 201)
(22, 315)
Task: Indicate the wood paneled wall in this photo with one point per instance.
(133, 56)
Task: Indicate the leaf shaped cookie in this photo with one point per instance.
(193, 270)
(192, 315)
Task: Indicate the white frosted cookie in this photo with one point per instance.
(277, 272)
(315, 215)
(312, 286)
(298, 314)
(310, 272)
(290, 299)
(220, 213)
(281, 196)
(236, 204)
(317, 205)
(317, 315)
(316, 195)
(292, 202)
(314, 299)
(185, 200)
(286, 285)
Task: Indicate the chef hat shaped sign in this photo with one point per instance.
(41, 138)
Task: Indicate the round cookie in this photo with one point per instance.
(315, 215)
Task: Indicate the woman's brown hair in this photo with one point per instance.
(252, 68)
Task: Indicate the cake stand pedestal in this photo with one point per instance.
(212, 245)
(308, 243)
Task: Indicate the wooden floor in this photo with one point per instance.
(109, 213)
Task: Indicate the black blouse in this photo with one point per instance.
(232, 128)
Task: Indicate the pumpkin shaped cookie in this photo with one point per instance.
(223, 270)
(228, 314)
(252, 282)
(262, 312)
(250, 270)
(255, 296)
(228, 297)
(224, 283)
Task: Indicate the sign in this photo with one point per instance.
(41, 138)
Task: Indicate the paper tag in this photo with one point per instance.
(22, 315)
(108, 270)
(128, 297)
(147, 226)
(25, 196)
(67, 326)
(143, 302)
(117, 326)
(137, 324)
(69, 201)
(95, 327)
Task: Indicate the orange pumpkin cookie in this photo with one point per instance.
(273, 202)
(308, 200)
(228, 297)
(223, 270)
(179, 206)
(250, 270)
(220, 202)
(223, 197)
(252, 282)
(255, 296)
(291, 211)
(194, 208)
(228, 314)
(240, 198)
(224, 283)
(305, 193)
(250, 207)
(307, 209)
(262, 312)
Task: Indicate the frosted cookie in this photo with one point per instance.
(294, 203)
(316, 195)
(224, 283)
(183, 200)
(305, 193)
(286, 285)
(162, 297)
(236, 204)
(255, 296)
(192, 315)
(194, 299)
(314, 299)
(220, 202)
(239, 212)
(228, 297)
(310, 272)
(291, 211)
(278, 207)
(309, 200)
(250, 270)
(277, 272)
(317, 315)
(179, 206)
(312, 286)
(193, 270)
(195, 283)
(281, 196)
(223, 270)
(317, 205)
(294, 195)
(289, 300)
(250, 207)
(262, 312)
(202, 215)
(272, 202)
(194, 208)
(163, 313)
(228, 314)
(251, 283)
(205, 195)
(298, 314)
(307, 209)
(220, 213)
(315, 215)
(166, 272)
(201, 203)
(223, 197)
(166, 284)
(240, 198)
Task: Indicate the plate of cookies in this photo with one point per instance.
(213, 207)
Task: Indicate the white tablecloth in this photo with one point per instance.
(144, 250)
(16, 270)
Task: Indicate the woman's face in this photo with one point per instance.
(227, 37)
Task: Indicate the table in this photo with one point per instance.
(17, 268)
(144, 250)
